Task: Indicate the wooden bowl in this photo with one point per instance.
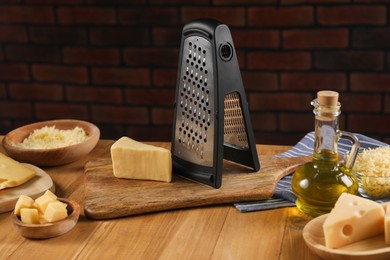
(42, 231)
(55, 156)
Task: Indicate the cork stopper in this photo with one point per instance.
(327, 98)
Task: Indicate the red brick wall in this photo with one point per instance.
(114, 62)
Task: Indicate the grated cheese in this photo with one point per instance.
(49, 137)
(373, 165)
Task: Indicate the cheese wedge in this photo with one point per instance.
(135, 160)
(352, 219)
(387, 225)
(13, 173)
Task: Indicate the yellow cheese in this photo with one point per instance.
(29, 216)
(352, 219)
(50, 194)
(387, 225)
(12, 173)
(55, 211)
(43, 201)
(23, 202)
(135, 160)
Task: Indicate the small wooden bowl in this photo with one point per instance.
(42, 231)
(54, 156)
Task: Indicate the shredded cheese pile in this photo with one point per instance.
(49, 137)
(373, 165)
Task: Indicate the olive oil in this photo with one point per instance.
(319, 183)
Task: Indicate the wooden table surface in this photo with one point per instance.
(215, 232)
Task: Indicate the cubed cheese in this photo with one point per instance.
(387, 225)
(135, 160)
(55, 211)
(50, 194)
(352, 219)
(23, 202)
(43, 201)
(29, 216)
(13, 173)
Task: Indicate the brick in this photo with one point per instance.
(280, 16)
(44, 111)
(264, 121)
(251, 38)
(111, 131)
(349, 60)
(375, 82)
(279, 60)
(17, 72)
(59, 73)
(153, 97)
(243, 2)
(3, 91)
(91, 56)
(94, 94)
(166, 36)
(164, 77)
(280, 101)
(150, 134)
(259, 81)
(315, 39)
(356, 102)
(162, 116)
(352, 15)
(313, 81)
(127, 36)
(33, 53)
(296, 122)
(117, 114)
(114, 2)
(12, 110)
(165, 57)
(234, 16)
(371, 38)
(369, 123)
(287, 2)
(387, 103)
(278, 138)
(169, 2)
(12, 33)
(53, 1)
(121, 76)
(26, 14)
(1, 54)
(148, 16)
(86, 15)
(35, 91)
(58, 35)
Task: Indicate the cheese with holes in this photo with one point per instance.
(29, 216)
(135, 160)
(13, 173)
(55, 211)
(387, 225)
(352, 219)
(23, 202)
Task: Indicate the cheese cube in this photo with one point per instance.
(23, 202)
(50, 194)
(352, 219)
(29, 216)
(135, 160)
(55, 211)
(13, 173)
(387, 225)
(43, 201)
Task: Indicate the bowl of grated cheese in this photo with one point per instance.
(373, 172)
(51, 143)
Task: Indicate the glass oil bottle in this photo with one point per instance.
(319, 183)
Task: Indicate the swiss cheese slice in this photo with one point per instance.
(352, 219)
(13, 173)
(136, 160)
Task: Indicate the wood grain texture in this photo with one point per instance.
(109, 197)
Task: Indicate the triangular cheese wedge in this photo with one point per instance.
(352, 219)
(13, 173)
(136, 160)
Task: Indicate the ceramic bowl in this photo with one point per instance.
(53, 156)
(48, 230)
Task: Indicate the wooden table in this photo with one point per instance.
(215, 232)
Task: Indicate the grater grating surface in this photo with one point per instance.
(234, 125)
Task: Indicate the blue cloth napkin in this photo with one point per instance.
(284, 197)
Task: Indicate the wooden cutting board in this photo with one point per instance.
(109, 197)
(33, 188)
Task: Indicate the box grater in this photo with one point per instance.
(211, 115)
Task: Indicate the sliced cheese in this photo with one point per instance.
(13, 173)
(387, 225)
(29, 216)
(135, 160)
(55, 211)
(352, 219)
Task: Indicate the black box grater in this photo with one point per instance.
(211, 115)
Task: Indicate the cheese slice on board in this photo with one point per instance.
(13, 173)
(136, 160)
(352, 219)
